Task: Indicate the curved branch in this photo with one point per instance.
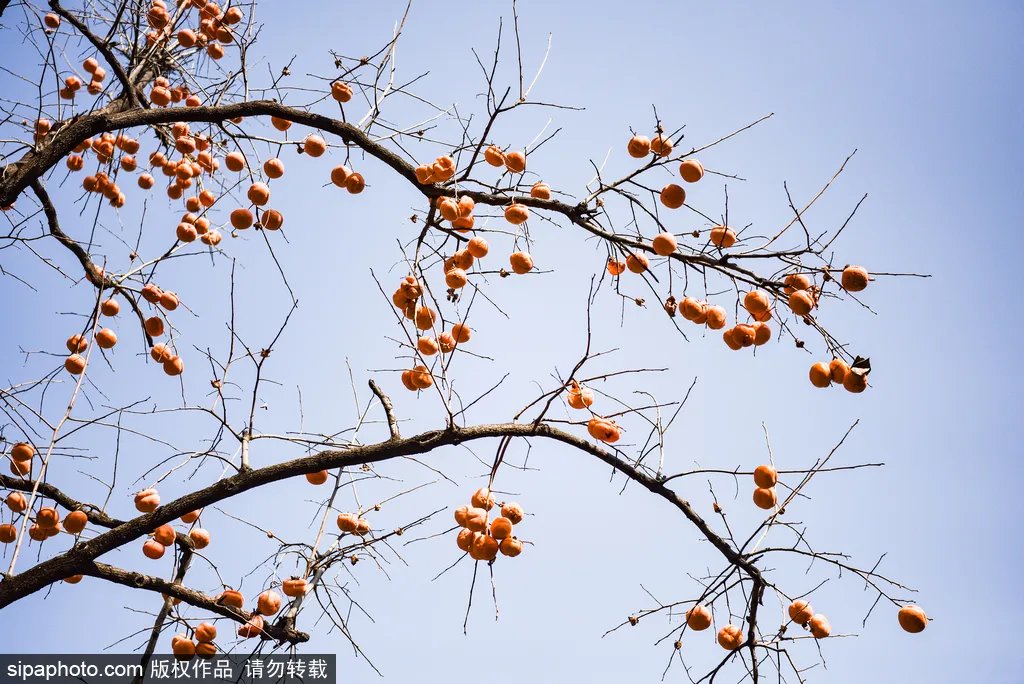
(78, 558)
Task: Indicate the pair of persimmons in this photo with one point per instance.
(602, 429)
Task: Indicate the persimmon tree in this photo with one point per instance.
(151, 117)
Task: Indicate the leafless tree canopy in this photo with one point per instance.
(148, 116)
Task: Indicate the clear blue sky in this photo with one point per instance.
(928, 93)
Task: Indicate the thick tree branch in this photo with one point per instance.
(136, 580)
(78, 558)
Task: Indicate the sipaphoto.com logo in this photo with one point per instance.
(135, 669)
(70, 668)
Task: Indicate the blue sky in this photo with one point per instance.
(928, 95)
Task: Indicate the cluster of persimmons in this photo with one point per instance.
(483, 538)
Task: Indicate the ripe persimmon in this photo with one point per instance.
(252, 628)
(637, 263)
(355, 183)
(272, 219)
(820, 374)
(838, 370)
(232, 598)
(512, 511)
(182, 647)
(820, 627)
(342, 92)
(110, 307)
(477, 247)
(541, 190)
(427, 346)
(455, 278)
(424, 317)
(521, 262)
(483, 548)
(147, 501)
(280, 124)
(764, 497)
(912, 619)
(174, 366)
(511, 547)
(639, 146)
(339, 174)
(186, 232)
(77, 344)
(800, 612)
(664, 244)
(154, 325)
(420, 377)
(200, 537)
(494, 156)
(801, 302)
(604, 430)
(673, 196)
(796, 281)
(164, 534)
(268, 602)
(515, 161)
(317, 478)
(698, 618)
(765, 476)
(23, 451)
(296, 586)
(273, 167)
(16, 502)
(74, 364)
(461, 332)
(464, 540)
(106, 338)
(762, 333)
(476, 519)
(723, 236)
(580, 397)
(241, 218)
(191, 516)
(756, 301)
(744, 334)
(314, 145)
(212, 238)
(75, 522)
(715, 317)
(153, 549)
(501, 528)
(516, 214)
(446, 342)
(661, 145)
(615, 267)
(206, 632)
(855, 382)
(691, 309)
(730, 637)
(482, 498)
(691, 170)
(8, 533)
(234, 161)
(855, 278)
(347, 522)
(48, 517)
